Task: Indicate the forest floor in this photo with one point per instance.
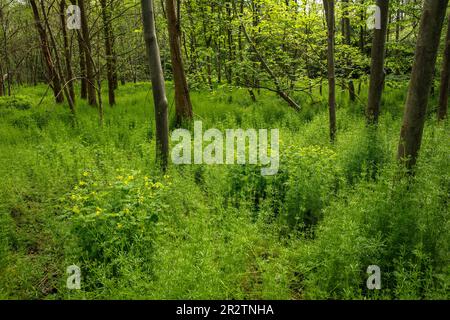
(91, 196)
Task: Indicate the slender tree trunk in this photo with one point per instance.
(2, 85)
(59, 68)
(377, 74)
(445, 75)
(82, 57)
(82, 61)
(99, 83)
(67, 51)
(92, 99)
(157, 78)
(330, 17)
(362, 29)
(2, 88)
(5, 55)
(346, 30)
(421, 78)
(183, 105)
(113, 42)
(397, 25)
(52, 73)
(106, 16)
(230, 42)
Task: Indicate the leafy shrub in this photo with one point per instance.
(17, 102)
(362, 154)
(247, 185)
(399, 224)
(314, 177)
(117, 217)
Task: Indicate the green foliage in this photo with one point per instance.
(17, 102)
(92, 197)
(314, 177)
(363, 154)
(79, 193)
(109, 218)
(5, 234)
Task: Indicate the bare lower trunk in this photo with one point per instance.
(109, 52)
(68, 60)
(52, 73)
(377, 74)
(82, 57)
(59, 68)
(157, 78)
(445, 74)
(421, 79)
(183, 105)
(1, 82)
(346, 30)
(82, 61)
(329, 13)
(92, 99)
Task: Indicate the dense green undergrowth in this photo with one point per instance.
(91, 196)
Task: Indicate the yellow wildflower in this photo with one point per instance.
(158, 185)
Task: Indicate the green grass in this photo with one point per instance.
(219, 232)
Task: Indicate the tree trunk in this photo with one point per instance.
(2, 90)
(157, 78)
(62, 10)
(108, 51)
(183, 105)
(52, 73)
(346, 30)
(7, 70)
(99, 83)
(362, 28)
(82, 61)
(59, 69)
(421, 78)
(230, 42)
(113, 41)
(82, 56)
(397, 25)
(445, 74)
(92, 99)
(329, 14)
(377, 74)
(1, 82)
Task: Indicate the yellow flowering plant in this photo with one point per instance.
(109, 216)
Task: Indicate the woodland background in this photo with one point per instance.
(84, 149)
